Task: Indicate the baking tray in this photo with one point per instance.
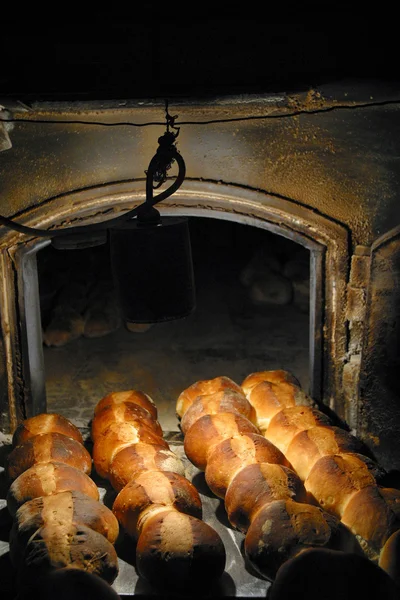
(238, 580)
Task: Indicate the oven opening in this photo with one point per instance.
(252, 313)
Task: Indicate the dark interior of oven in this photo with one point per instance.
(252, 314)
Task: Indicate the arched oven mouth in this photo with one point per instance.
(325, 240)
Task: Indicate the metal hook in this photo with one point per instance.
(170, 120)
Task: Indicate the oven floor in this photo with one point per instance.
(217, 339)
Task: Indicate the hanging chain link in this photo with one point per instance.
(166, 150)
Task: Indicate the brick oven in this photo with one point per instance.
(315, 165)
(318, 168)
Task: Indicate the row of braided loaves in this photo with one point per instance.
(158, 507)
(264, 498)
(337, 469)
(59, 523)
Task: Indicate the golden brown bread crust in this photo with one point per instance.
(132, 396)
(134, 458)
(224, 401)
(44, 479)
(74, 546)
(267, 401)
(67, 506)
(142, 457)
(178, 550)
(45, 423)
(70, 507)
(202, 388)
(269, 398)
(283, 528)
(155, 488)
(233, 454)
(275, 376)
(210, 430)
(118, 436)
(48, 447)
(257, 485)
(335, 478)
(290, 421)
(329, 459)
(338, 474)
(309, 445)
(373, 514)
(126, 412)
(284, 411)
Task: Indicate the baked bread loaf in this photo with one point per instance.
(118, 436)
(341, 477)
(73, 546)
(335, 478)
(273, 376)
(177, 550)
(154, 488)
(142, 457)
(130, 396)
(373, 514)
(58, 519)
(269, 398)
(67, 583)
(259, 489)
(332, 575)
(134, 458)
(64, 508)
(224, 401)
(210, 430)
(203, 388)
(233, 454)
(290, 421)
(44, 479)
(45, 423)
(48, 447)
(126, 412)
(257, 485)
(284, 528)
(308, 446)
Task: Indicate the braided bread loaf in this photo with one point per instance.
(337, 470)
(45, 423)
(45, 448)
(156, 505)
(58, 521)
(203, 388)
(263, 496)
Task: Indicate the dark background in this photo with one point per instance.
(114, 58)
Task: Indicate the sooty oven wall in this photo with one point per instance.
(283, 130)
